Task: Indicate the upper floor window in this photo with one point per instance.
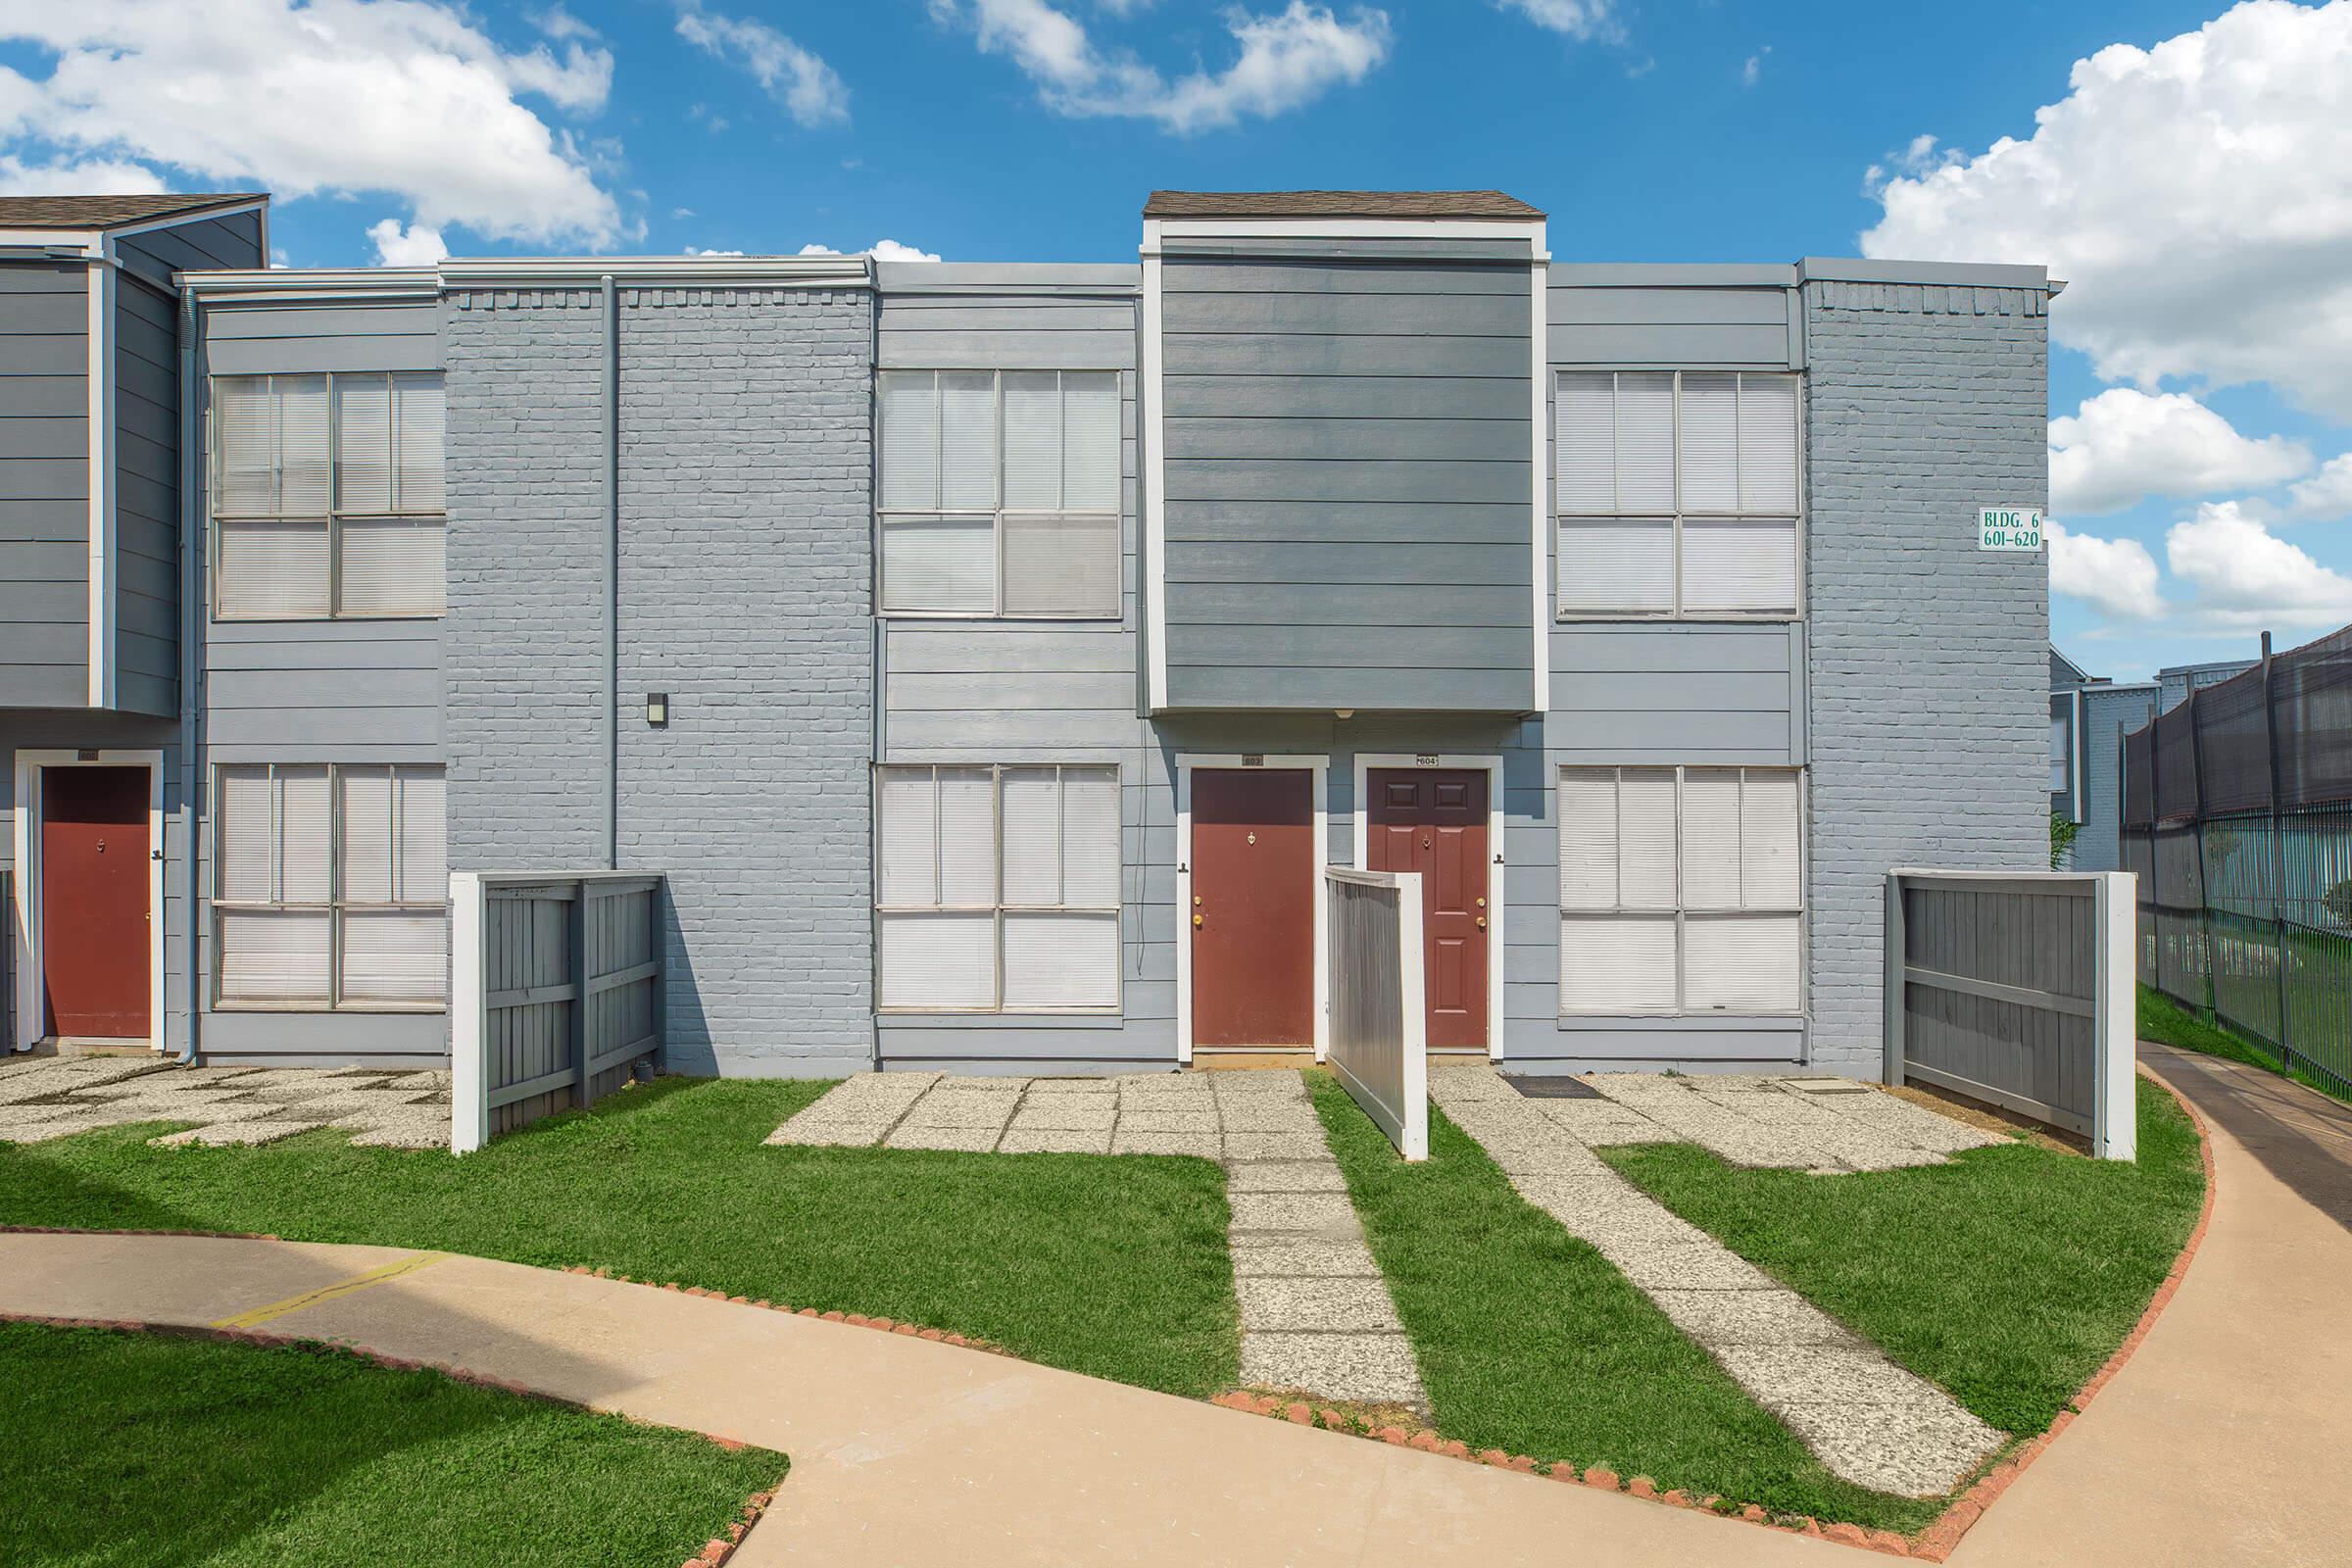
(1678, 493)
(328, 495)
(999, 493)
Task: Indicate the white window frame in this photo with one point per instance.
(1682, 914)
(337, 905)
(885, 516)
(999, 908)
(1563, 520)
(215, 454)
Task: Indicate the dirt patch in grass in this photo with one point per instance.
(1988, 1118)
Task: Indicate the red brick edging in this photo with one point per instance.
(1935, 1543)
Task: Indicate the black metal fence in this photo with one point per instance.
(2238, 820)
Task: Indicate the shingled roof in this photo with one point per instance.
(111, 212)
(1475, 204)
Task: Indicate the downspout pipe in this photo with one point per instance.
(191, 626)
(612, 573)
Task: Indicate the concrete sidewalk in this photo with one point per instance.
(903, 1451)
(2219, 1443)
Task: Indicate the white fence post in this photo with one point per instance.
(1379, 1017)
(1412, 965)
(2115, 1133)
(469, 1096)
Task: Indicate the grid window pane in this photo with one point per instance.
(1032, 836)
(946, 961)
(1746, 566)
(938, 563)
(423, 835)
(272, 569)
(395, 956)
(1061, 566)
(1712, 839)
(419, 443)
(363, 436)
(394, 565)
(1090, 441)
(274, 956)
(306, 836)
(366, 830)
(243, 819)
(1710, 441)
(967, 441)
(245, 436)
(1033, 440)
(1588, 841)
(1645, 846)
(1585, 442)
(1062, 961)
(1771, 834)
(1768, 440)
(1624, 566)
(967, 838)
(1090, 838)
(1617, 964)
(1740, 963)
(910, 440)
(301, 445)
(909, 849)
(1644, 441)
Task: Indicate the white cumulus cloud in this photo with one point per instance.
(2197, 195)
(1286, 60)
(2324, 497)
(409, 98)
(2123, 446)
(412, 246)
(881, 250)
(1576, 19)
(2115, 575)
(2247, 578)
(83, 176)
(811, 91)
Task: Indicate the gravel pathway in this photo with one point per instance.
(1827, 1125)
(1316, 1316)
(42, 1097)
(1868, 1420)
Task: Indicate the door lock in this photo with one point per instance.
(1482, 903)
(1481, 923)
(1196, 919)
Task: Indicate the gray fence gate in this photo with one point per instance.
(2016, 989)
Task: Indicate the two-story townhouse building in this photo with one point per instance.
(991, 656)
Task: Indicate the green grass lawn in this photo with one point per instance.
(128, 1451)
(1111, 1265)
(2168, 1023)
(2008, 1276)
(1530, 1342)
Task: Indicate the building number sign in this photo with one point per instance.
(2008, 528)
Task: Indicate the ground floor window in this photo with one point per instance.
(997, 889)
(330, 886)
(1682, 890)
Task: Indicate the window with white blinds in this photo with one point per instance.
(997, 889)
(999, 493)
(1681, 891)
(328, 496)
(330, 886)
(1677, 493)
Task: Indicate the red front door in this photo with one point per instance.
(1434, 822)
(1252, 919)
(94, 886)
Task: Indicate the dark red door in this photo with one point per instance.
(94, 884)
(1253, 913)
(1434, 822)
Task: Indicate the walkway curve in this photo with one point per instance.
(2216, 1442)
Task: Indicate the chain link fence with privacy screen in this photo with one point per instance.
(2238, 820)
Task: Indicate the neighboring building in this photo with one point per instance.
(2176, 683)
(991, 655)
(2089, 715)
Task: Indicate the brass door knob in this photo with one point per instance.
(1481, 923)
(1196, 919)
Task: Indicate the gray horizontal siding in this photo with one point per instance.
(1660, 694)
(1346, 468)
(1635, 324)
(147, 500)
(340, 691)
(1036, 691)
(255, 339)
(44, 484)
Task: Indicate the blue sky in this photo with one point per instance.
(2193, 181)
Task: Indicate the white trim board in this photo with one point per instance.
(100, 565)
(1540, 379)
(1320, 786)
(1152, 473)
(1491, 765)
(30, 978)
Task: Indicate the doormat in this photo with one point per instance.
(1553, 1088)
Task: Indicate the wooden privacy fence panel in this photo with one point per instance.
(555, 992)
(1379, 1017)
(2017, 990)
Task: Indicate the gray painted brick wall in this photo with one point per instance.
(744, 589)
(1929, 658)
